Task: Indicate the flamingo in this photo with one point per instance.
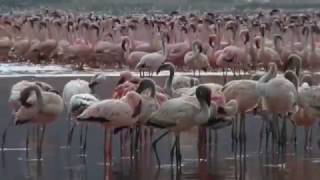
(79, 86)
(168, 89)
(40, 108)
(114, 113)
(14, 99)
(180, 114)
(152, 61)
(314, 52)
(149, 104)
(246, 94)
(279, 96)
(77, 104)
(308, 111)
(266, 55)
(195, 59)
(234, 57)
(177, 51)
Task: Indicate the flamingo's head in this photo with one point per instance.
(97, 79)
(25, 115)
(124, 76)
(141, 65)
(203, 93)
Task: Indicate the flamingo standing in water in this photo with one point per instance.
(279, 96)
(149, 105)
(308, 111)
(114, 113)
(40, 108)
(15, 103)
(245, 93)
(180, 114)
(75, 87)
(77, 104)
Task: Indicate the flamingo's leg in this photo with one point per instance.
(154, 146)
(39, 150)
(70, 134)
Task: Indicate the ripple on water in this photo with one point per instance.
(15, 149)
(280, 165)
(29, 159)
(316, 161)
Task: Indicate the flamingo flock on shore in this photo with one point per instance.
(284, 92)
(207, 42)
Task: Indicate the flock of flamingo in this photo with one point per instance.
(284, 93)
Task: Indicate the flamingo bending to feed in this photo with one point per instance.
(15, 103)
(39, 108)
(114, 113)
(79, 86)
(77, 104)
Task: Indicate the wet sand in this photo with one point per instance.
(60, 163)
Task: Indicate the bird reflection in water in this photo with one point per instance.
(77, 170)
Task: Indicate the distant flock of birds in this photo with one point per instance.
(208, 41)
(283, 93)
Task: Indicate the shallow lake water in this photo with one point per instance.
(219, 161)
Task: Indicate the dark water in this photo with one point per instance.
(61, 163)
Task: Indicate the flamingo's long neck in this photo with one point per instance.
(292, 77)
(164, 49)
(313, 45)
(51, 31)
(261, 86)
(292, 37)
(127, 47)
(306, 39)
(204, 111)
(33, 31)
(269, 75)
(235, 35)
(59, 33)
(168, 84)
(39, 98)
(46, 33)
(195, 50)
(27, 92)
(219, 38)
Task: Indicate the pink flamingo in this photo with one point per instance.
(40, 108)
(114, 113)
